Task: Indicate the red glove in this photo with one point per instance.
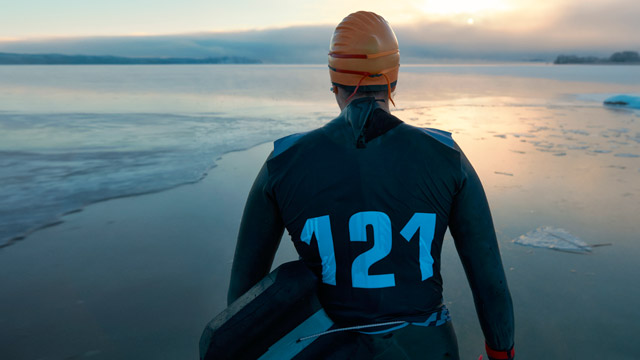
(499, 354)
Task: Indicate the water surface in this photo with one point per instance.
(547, 151)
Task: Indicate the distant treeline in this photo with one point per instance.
(58, 59)
(623, 57)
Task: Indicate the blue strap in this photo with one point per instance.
(437, 318)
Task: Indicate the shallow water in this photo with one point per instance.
(548, 152)
(71, 136)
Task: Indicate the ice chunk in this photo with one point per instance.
(578, 147)
(553, 238)
(620, 131)
(575, 131)
(624, 101)
(525, 135)
(553, 152)
(542, 144)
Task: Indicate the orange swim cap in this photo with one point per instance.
(364, 53)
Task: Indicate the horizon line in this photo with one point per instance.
(148, 35)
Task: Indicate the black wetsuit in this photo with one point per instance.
(367, 200)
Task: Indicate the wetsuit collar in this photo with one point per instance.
(356, 114)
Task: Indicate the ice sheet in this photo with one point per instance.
(553, 238)
(55, 163)
(629, 101)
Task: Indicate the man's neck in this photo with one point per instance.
(383, 102)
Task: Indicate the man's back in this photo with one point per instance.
(367, 211)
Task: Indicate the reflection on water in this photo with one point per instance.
(576, 156)
(546, 150)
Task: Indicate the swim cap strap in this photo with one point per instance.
(363, 56)
(364, 75)
(389, 89)
(358, 86)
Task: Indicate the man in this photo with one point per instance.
(367, 200)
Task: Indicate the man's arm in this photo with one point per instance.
(475, 239)
(258, 239)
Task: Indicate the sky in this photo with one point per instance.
(426, 27)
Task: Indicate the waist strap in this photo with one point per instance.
(437, 318)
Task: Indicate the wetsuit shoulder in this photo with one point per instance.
(442, 136)
(283, 144)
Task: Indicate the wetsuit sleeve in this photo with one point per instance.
(472, 228)
(260, 232)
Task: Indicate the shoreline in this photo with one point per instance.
(60, 218)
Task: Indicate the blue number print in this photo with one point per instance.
(426, 224)
(381, 224)
(422, 223)
(321, 226)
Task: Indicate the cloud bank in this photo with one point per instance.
(598, 29)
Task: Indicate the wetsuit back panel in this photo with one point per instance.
(366, 200)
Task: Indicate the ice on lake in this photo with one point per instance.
(553, 238)
(624, 101)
